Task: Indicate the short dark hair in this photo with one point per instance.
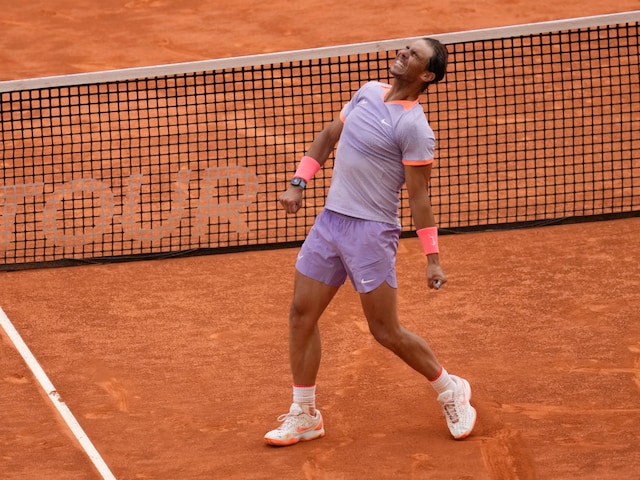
(437, 64)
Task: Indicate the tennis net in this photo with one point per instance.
(536, 124)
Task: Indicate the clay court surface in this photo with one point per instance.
(176, 368)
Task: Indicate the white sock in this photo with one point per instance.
(442, 382)
(305, 396)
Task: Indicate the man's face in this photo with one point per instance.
(411, 61)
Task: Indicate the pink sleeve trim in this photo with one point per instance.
(417, 163)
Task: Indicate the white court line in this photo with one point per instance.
(53, 395)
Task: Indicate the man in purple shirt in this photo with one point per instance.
(385, 142)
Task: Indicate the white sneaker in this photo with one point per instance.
(460, 415)
(296, 426)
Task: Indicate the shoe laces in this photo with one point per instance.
(289, 419)
(451, 410)
(451, 407)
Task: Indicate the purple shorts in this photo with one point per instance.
(339, 246)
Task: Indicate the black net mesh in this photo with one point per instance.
(531, 129)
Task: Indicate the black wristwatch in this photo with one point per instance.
(298, 182)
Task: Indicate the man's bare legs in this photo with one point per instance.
(310, 299)
(454, 393)
(304, 422)
(380, 307)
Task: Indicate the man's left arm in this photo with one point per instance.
(417, 180)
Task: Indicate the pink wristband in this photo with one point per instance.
(429, 239)
(307, 168)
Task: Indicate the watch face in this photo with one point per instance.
(298, 182)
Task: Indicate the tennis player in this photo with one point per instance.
(385, 142)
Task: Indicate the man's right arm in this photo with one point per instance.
(325, 141)
(320, 149)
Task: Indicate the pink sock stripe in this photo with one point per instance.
(307, 168)
(303, 386)
(429, 239)
(438, 376)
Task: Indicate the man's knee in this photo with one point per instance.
(301, 321)
(386, 335)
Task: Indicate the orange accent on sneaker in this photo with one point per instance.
(293, 429)
(318, 427)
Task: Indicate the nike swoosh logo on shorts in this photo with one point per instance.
(364, 282)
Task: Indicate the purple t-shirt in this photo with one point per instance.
(377, 140)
